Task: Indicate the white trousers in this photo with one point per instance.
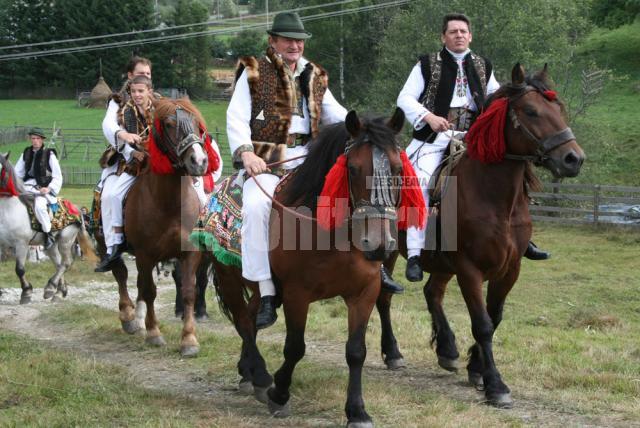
(115, 189)
(425, 158)
(40, 207)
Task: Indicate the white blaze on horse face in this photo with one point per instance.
(198, 157)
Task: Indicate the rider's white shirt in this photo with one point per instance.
(56, 180)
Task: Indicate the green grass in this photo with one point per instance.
(568, 342)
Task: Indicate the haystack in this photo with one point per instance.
(99, 94)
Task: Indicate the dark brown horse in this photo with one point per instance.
(341, 258)
(493, 222)
(160, 211)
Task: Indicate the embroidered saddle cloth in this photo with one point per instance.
(218, 227)
(63, 213)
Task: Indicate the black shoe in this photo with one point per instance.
(267, 313)
(388, 284)
(49, 241)
(107, 263)
(414, 271)
(533, 253)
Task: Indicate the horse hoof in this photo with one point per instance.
(260, 393)
(279, 411)
(475, 379)
(56, 299)
(189, 351)
(448, 364)
(396, 364)
(130, 327)
(245, 387)
(501, 401)
(48, 294)
(155, 341)
(202, 317)
(366, 424)
(179, 315)
(24, 300)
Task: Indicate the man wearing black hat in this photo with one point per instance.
(277, 106)
(40, 170)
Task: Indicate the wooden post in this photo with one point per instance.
(596, 202)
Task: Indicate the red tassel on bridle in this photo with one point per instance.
(160, 162)
(333, 202)
(485, 140)
(8, 189)
(550, 95)
(412, 210)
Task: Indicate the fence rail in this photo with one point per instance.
(587, 204)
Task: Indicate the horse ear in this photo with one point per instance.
(352, 122)
(397, 120)
(6, 155)
(517, 74)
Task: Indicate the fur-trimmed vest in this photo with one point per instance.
(42, 169)
(130, 118)
(439, 71)
(271, 95)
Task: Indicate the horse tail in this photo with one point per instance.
(223, 305)
(86, 245)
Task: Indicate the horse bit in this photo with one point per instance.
(544, 146)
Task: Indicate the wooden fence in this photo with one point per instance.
(587, 204)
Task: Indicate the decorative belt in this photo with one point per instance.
(295, 140)
(461, 118)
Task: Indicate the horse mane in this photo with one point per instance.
(307, 182)
(11, 174)
(165, 107)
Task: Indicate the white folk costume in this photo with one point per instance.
(450, 85)
(273, 112)
(40, 169)
(120, 117)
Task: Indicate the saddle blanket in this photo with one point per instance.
(63, 213)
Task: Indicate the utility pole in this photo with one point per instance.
(267, 10)
(341, 58)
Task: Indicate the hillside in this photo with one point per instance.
(609, 131)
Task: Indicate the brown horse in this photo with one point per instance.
(493, 221)
(340, 258)
(160, 211)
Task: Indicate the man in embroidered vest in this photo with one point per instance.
(440, 99)
(40, 170)
(277, 105)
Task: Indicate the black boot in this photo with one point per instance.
(414, 271)
(107, 263)
(388, 284)
(267, 313)
(533, 253)
(49, 241)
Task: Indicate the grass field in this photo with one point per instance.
(568, 348)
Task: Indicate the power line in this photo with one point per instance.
(160, 39)
(151, 30)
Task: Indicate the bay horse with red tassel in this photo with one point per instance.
(344, 183)
(160, 211)
(523, 123)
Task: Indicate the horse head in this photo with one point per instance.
(179, 132)
(374, 169)
(539, 130)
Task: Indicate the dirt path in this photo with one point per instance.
(152, 371)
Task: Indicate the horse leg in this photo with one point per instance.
(294, 349)
(496, 392)
(126, 312)
(66, 259)
(52, 284)
(202, 277)
(189, 346)
(177, 279)
(147, 294)
(356, 352)
(441, 333)
(27, 288)
(391, 355)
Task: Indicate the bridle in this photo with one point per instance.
(184, 126)
(544, 146)
(383, 201)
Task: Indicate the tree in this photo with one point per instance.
(614, 13)
(248, 43)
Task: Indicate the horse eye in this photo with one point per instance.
(530, 112)
(353, 170)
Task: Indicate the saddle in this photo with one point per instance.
(112, 157)
(62, 213)
(219, 226)
(439, 180)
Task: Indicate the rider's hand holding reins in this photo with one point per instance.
(137, 155)
(437, 123)
(44, 190)
(129, 137)
(253, 164)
